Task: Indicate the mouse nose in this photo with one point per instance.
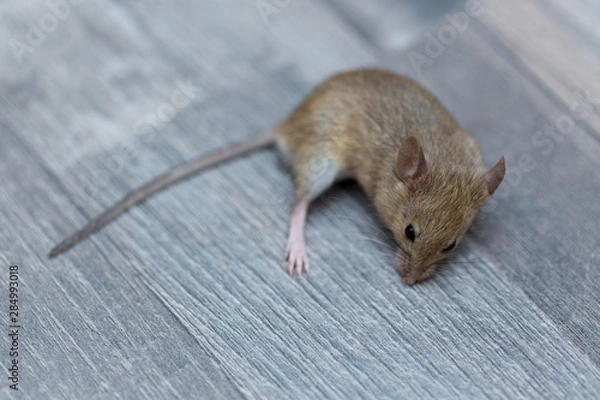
(409, 279)
(408, 276)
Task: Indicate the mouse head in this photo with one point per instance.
(434, 207)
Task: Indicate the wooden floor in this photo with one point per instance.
(187, 296)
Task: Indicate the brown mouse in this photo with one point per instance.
(424, 174)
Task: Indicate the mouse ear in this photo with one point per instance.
(494, 176)
(410, 160)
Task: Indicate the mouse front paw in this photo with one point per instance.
(297, 257)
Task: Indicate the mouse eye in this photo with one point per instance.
(410, 232)
(449, 248)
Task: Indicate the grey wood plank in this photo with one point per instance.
(581, 15)
(394, 30)
(96, 347)
(567, 65)
(186, 295)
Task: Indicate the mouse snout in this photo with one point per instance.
(409, 280)
(410, 276)
(412, 273)
(406, 268)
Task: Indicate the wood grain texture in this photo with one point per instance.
(186, 295)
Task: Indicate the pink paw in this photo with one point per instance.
(297, 258)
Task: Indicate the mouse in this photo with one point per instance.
(424, 174)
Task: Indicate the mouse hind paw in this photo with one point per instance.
(295, 251)
(297, 257)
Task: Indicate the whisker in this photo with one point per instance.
(461, 262)
(386, 245)
(364, 221)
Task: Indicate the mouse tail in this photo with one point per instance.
(159, 183)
